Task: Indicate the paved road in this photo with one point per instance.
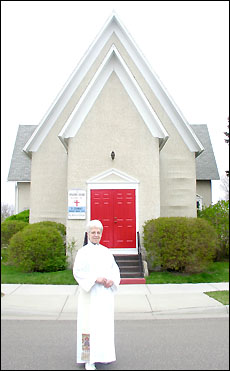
(173, 344)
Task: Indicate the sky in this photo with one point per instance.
(186, 43)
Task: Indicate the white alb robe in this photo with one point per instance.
(95, 315)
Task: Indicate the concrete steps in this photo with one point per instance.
(130, 269)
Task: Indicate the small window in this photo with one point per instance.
(199, 202)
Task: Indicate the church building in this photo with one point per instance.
(113, 146)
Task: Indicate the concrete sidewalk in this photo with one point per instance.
(143, 301)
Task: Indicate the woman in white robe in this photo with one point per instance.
(98, 277)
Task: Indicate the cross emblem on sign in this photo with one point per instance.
(76, 202)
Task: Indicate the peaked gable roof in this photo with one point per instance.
(113, 25)
(20, 163)
(113, 62)
(206, 167)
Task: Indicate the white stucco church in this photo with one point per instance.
(113, 146)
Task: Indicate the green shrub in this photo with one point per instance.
(179, 244)
(23, 216)
(59, 226)
(218, 216)
(37, 248)
(9, 228)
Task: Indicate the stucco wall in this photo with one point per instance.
(113, 124)
(177, 178)
(204, 189)
(23, 196)
(48, 179)
(177, 163)
(49, 163)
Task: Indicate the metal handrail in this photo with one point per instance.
(138, 243)
(139, 254)
(85, 239)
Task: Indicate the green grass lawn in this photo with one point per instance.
(217, 272)
(11, 274)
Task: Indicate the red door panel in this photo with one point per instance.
(116, 210)
(124, 218)
(102, 209)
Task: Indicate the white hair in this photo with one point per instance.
(94, 224)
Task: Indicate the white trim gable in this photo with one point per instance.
(112, 62)
(113, 25)
(122, 177)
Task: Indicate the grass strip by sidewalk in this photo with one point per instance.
(217, 272)
(221, 296)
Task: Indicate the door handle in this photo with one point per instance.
(115, 221)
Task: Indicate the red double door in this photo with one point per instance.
(116, 209)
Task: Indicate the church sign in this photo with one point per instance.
(77, 204)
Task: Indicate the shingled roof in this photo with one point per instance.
(20, 163)
(206, 167)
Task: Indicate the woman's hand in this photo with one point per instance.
(108, 283)
(103, 281)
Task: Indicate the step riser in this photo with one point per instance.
(127, 270)
(131, 275)
(126, 257)
(128, 264)
(127, 261)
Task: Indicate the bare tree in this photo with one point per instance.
(225, 186)
(6, 210)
